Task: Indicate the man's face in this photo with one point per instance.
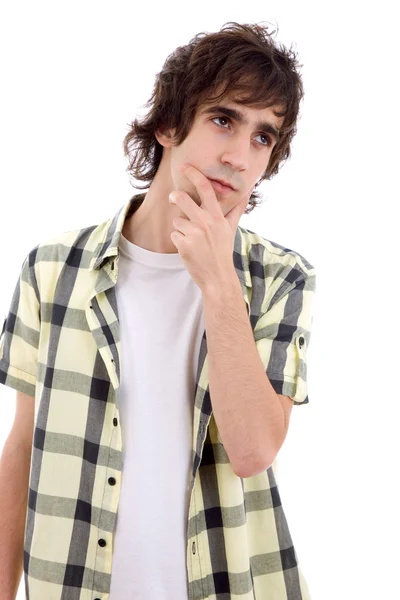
(221, 147)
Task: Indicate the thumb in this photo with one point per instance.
(233, 216)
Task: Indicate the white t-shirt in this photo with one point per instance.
(161, 319)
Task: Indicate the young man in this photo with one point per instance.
(163, 351)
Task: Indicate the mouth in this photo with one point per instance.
(221, 187)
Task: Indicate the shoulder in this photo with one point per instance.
(75, 248)
(60, 247)
(276, 259)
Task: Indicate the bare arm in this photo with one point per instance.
(14, 482)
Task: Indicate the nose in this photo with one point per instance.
(237, 153)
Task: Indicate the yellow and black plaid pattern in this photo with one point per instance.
(60, 343)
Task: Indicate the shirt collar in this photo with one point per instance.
(109, 244)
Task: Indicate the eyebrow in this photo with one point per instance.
(239, 117)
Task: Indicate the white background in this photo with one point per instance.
(75, 74)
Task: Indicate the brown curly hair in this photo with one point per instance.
(242, 57)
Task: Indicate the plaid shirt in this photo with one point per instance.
(61, 344)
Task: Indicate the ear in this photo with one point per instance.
(165, 136)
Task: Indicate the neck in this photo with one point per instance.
(149, 222)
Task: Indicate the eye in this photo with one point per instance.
(221, 118)
(267, 137)
(264, 135)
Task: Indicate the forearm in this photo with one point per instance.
(246, 408)
(14, 482)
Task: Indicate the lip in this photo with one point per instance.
(222, 186)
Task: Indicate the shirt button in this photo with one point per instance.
(102, 542)
(111, 481)
(301, 340)
(115, 421)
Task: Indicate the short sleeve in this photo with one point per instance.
(19, 340)
(282, 335)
